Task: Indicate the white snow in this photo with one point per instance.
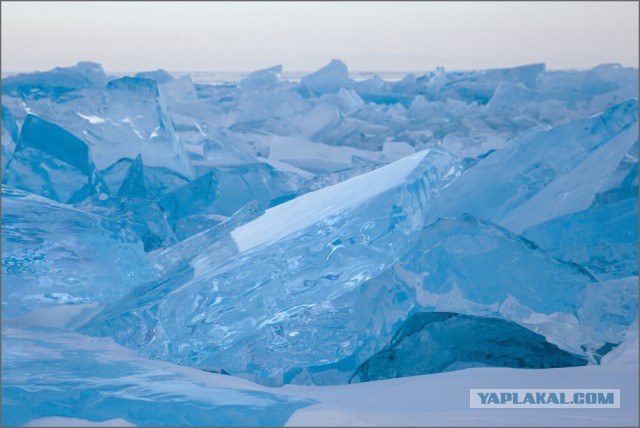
(428, 400)
(135, 131)
(64, 316)
(92, 119)
(302, 212)
(27, 109)
(59, 421)
(443, 399)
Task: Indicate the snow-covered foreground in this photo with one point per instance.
(443, 399)
(429, 400)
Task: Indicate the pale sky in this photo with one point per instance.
(302, 36)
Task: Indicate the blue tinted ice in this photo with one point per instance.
(142, 216)
(56, 83)
(458, 265)
(120, 119)
(9, 135)
(51, 162)
(262, 79)
(156, 181)
(329, 78)
(603, 238)
(160, 76)
(435, 342)
(47, 373)
(285, 231)
(535, 181)
(53, 254)
(311, 252)
(214, 196)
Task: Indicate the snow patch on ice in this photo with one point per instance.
(302, 212)
(94, 120)
(60, 421)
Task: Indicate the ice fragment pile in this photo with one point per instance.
(310, 232)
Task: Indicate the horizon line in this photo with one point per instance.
(407, 71)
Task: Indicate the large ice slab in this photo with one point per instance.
(262, 79)
(160, 75)
(436, 342)
(329, 78)
(57, 82)
(470, 266)
(310, 209)
(310, 252)
(537, 179)
(121, 119)
(51, 162)
(53, 254)
(602, 237)
(139, 124)
(575, 189)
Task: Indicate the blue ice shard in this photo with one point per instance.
(139, 124)
(480, 86)
(142, 216)
(435, 342)
(153, 183)
(53, 254)
(509, 97)
(174, 91)
(9, 124)
(308, 256)
(180, 92)
(51, 162)
(9, 135)
(474, 267)
(537, 181)
(262, 79)
(319, 120)
(214, 196)
(602, 238)
(529, 75)
(133, 184)
(121, 119)
(214, 240)
(56, 83)
(623, 182)
(328, 79)
(134, 205)
(160, 76)
(70, 375)
(610, 309)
